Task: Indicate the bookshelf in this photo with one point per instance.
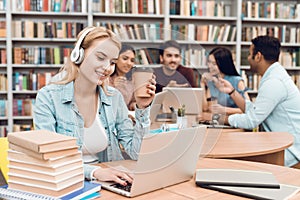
(28, 53)
(276, 18)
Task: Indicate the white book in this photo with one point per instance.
(226, 33)
(152, 32)
(234, 177)
(191, 32)
(40, 171)
(150, 6)
(146, 31)
(221, 34)
(45, 185)
(283, 31)
(131, 33)
(232, 39)
(292, 35)
(83, 6)
(249, 9)
(283, 193)
(157, 7)
(272, 10)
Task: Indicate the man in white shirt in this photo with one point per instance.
(277, 105)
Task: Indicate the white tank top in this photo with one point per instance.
(95, 141)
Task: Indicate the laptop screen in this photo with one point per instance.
(190, 97)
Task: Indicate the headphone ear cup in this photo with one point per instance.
(74, 55)
(77, 53)
(80, 56)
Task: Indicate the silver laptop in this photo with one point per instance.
(190, 97)
(157, 105)
(165, 159)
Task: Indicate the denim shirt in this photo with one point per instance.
(277, 107)
(223, 98)
(56, 110)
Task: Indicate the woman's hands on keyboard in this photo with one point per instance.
(111, 174)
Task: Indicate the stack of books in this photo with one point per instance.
(44, 162)
(246, 183)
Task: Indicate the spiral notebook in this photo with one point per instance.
(21, 195)
(89, 190)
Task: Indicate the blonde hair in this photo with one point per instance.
(70, 70)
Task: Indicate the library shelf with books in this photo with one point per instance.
(145, 24)
(274, 18)
(3, 74)
(36, 48)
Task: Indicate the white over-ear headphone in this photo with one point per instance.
(77, 53)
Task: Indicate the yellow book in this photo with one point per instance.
(3, 156)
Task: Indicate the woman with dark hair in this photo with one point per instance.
(220, 64)
(121, 77)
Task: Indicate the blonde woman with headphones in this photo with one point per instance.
(82, 105)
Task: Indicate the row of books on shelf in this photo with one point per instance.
(252, 80)
(145, 31)
(26, 81)
(3, 107)
(210, 8)
(3, 131)
(49, 5)
(287, 58)
(41, 55)
(132, 7)
(25, 126)
(47, 29)
(47, 163)
(3, 82)
(155, 31)
(3, 56)
(16, 128)
(23, 106)
(209, 33)
(2, 4)
(30, 81)
(286, 34)
(271, 10)
(2, 29)
(194, 58)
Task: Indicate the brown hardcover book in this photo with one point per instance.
(49, 170)
(41, 141)
(41, 175)
(45, 191)
(45, 156)
(56, 185)
(53, 162)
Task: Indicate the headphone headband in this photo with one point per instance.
(77, 53)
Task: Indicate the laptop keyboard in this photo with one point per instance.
(127, 187)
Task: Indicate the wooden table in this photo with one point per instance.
(267, 147)
(189, 190)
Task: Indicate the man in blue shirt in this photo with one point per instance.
(277, 105)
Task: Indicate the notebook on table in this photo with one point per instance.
(283, 193)
(165, 159)
(235, 177)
